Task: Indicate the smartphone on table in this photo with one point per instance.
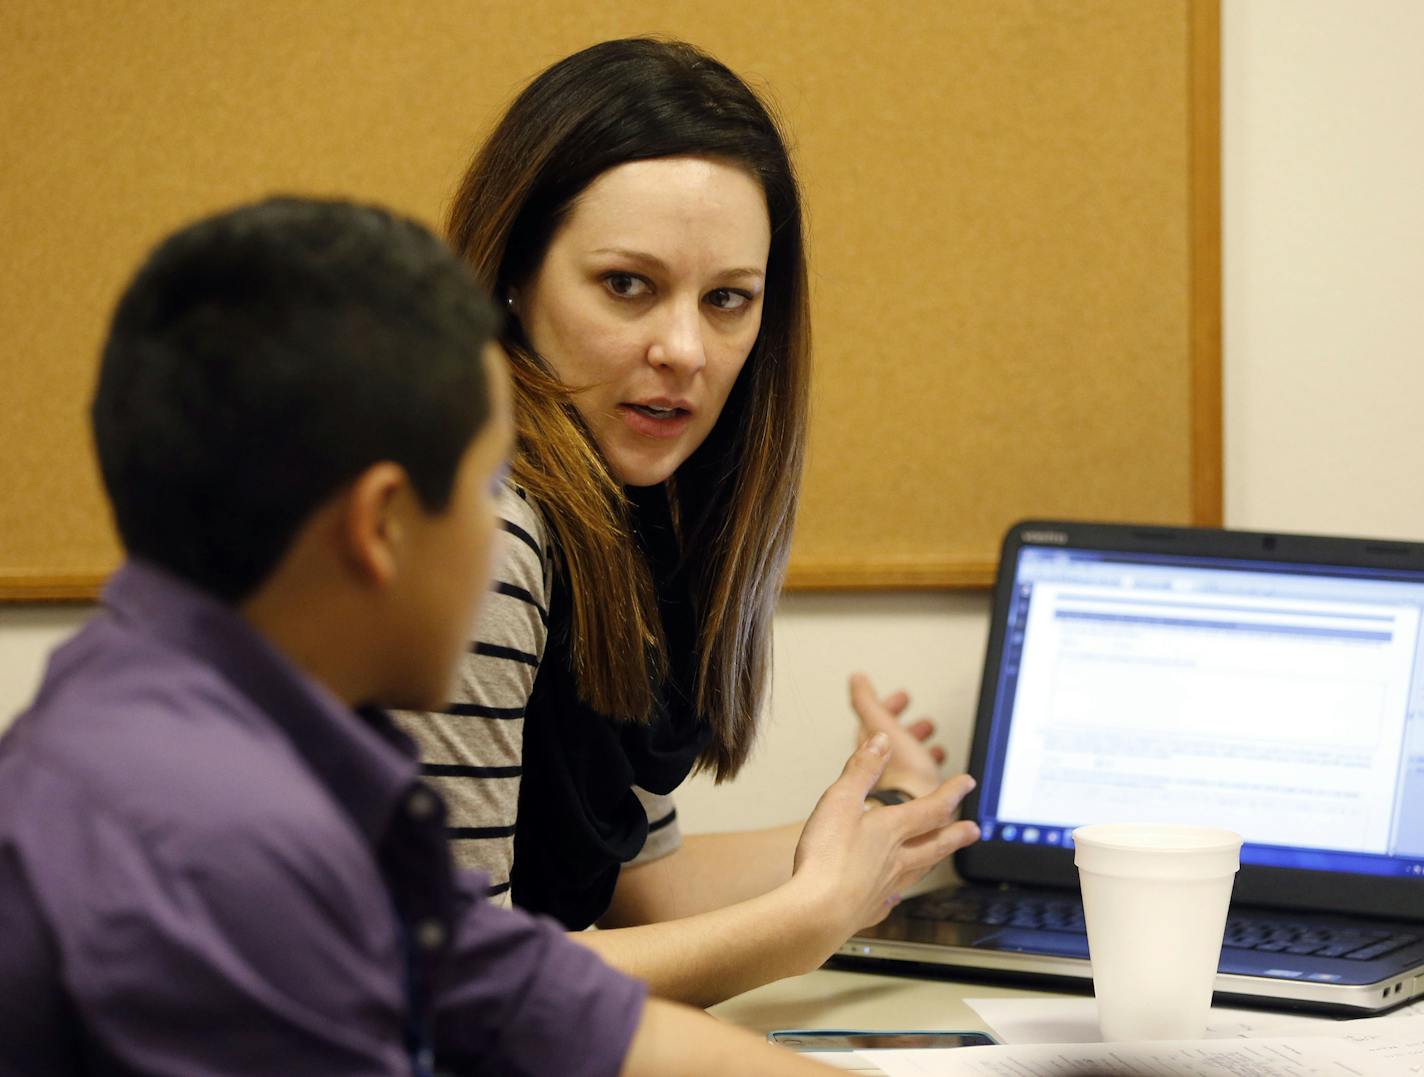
(852, 1039)
(848, 1042)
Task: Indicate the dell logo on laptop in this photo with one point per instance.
(1054, 538)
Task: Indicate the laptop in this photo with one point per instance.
(1270, 684)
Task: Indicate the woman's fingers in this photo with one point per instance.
(914, 763)
(929, 813)
(866, 703)
(918, 856)
(921, 729)
(926, 831)
(926, 850)
(875, 712)
(869, 857)
(865, 765)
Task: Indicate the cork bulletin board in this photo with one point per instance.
(1013, 210)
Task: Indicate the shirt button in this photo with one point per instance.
(420, 805)
(430, 934)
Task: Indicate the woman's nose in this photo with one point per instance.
(677, 342)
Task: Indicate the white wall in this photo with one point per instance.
(1323, 132)
(1323, 143)
(26, 635)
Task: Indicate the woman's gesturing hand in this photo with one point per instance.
(914, 764)
(855, 863)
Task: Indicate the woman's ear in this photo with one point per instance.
(372, 523)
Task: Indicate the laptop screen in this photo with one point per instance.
(1282, 700)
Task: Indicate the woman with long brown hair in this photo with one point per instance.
(636, 211)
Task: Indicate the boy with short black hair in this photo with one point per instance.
(216, 856)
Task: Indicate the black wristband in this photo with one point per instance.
(889, 796)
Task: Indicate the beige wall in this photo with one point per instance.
(1323, 129)
(26, 635)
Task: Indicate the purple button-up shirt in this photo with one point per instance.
(210, 865)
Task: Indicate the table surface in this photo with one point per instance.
(832, 998)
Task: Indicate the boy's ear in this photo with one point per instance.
(371, 522)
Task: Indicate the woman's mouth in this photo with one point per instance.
(655, 420)
(655, 412)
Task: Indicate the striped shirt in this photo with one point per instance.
(472, 751)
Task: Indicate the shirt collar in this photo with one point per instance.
(359, 757)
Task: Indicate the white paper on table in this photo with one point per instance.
(1075, 1020)
(1401, 1040)
(1181, 1058)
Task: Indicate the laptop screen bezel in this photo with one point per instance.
(992, 862)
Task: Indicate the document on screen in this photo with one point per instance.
(1277, 717)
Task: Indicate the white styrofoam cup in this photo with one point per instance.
(1154, 898)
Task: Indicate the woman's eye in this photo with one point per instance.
(625, 285)
(728, 299)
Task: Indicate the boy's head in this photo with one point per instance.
(294, 358)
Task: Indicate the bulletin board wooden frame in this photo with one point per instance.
(1014, 211)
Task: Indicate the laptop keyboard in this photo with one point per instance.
(1053, 913)
(1280, 936)
(1000, 910)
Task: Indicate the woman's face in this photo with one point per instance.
(648, 302)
